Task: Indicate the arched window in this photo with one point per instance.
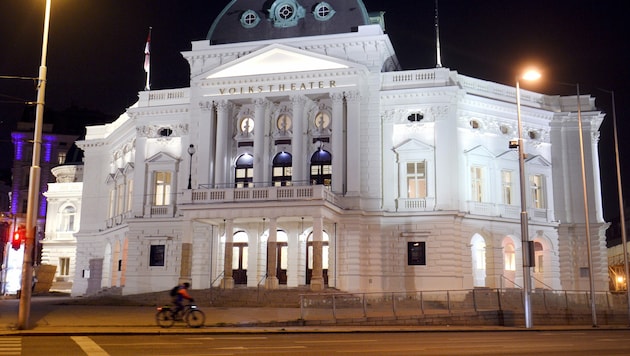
(509, 258)
(321, 168)
(66, 221)
(244, 174)
(281, 175)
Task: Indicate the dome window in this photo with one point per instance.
(165, 132)
(250, 19)
(286, 13)
(415, 117)
(323, 11)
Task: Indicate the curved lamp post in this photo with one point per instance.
(528, 75)
(33, 185)
(191, 152)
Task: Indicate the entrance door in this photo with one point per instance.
(239, 262)
(309, 261)
(282, 262)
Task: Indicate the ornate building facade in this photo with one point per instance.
(302, 154)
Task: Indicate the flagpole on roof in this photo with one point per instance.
(147, 60)
(437, 37)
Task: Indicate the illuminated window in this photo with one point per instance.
(321, 168)
(64, 266)
(416, 180)
(61, 158)
(162, 188)
(509, 258)
(282, 171)
(538, 252)
(129, 194)
(476, 180)
(536, 183)
(66, 221)
(506, 185)
(244, 171)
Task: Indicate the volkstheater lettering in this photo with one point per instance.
(256, 89)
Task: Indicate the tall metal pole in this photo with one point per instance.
(524, 220)
(586, 214)
(622, 216)
(33, 187)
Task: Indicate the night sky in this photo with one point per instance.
(95, 52)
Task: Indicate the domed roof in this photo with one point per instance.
(252, 20)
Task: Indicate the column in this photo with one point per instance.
(338, 147)
(272, 256)
(353, 141)
(205, 142)
(259, 142)
(228, 280)
(220, 158)
(297, 141)
(317, 279)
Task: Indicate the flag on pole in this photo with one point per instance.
(147, 59)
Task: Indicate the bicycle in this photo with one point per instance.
(191, 314)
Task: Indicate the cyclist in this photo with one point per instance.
(182, 293)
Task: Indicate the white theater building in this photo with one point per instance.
(301, 154)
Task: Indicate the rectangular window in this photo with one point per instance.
(162, 186)
(112, 203)
(61, 157)
(64, 266)
(120, 199)
(536, 183)
(416, 254)
(476, 180)
(157, 255)
(129, 194)
(506, 185)
(416, 180)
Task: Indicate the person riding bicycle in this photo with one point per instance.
(182, 293)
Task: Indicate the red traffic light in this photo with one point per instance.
(16, 241)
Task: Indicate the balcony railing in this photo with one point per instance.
(218, 195)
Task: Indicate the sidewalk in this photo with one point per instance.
(49, 317)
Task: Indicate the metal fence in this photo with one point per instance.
(327, 306)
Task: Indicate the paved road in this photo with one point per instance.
(592, 342)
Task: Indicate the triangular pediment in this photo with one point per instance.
(538, 160)
(510, 155)
(480, 151)
(276, 59)
(413, 145)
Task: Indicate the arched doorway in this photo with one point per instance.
(309, 258)
(240, 257)
(478, 253)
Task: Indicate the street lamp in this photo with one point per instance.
(528, 75)
(33, 186)
(191, 152)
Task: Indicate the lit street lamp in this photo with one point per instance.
(529, 75)
(191, 152)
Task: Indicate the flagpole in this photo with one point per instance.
(147, 60)
(437, 38)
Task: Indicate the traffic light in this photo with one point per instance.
(18, 237)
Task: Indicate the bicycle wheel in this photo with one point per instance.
(195, 318)
(164, 318)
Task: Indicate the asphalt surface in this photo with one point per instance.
(59, 316)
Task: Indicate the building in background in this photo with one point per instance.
(301, 154)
